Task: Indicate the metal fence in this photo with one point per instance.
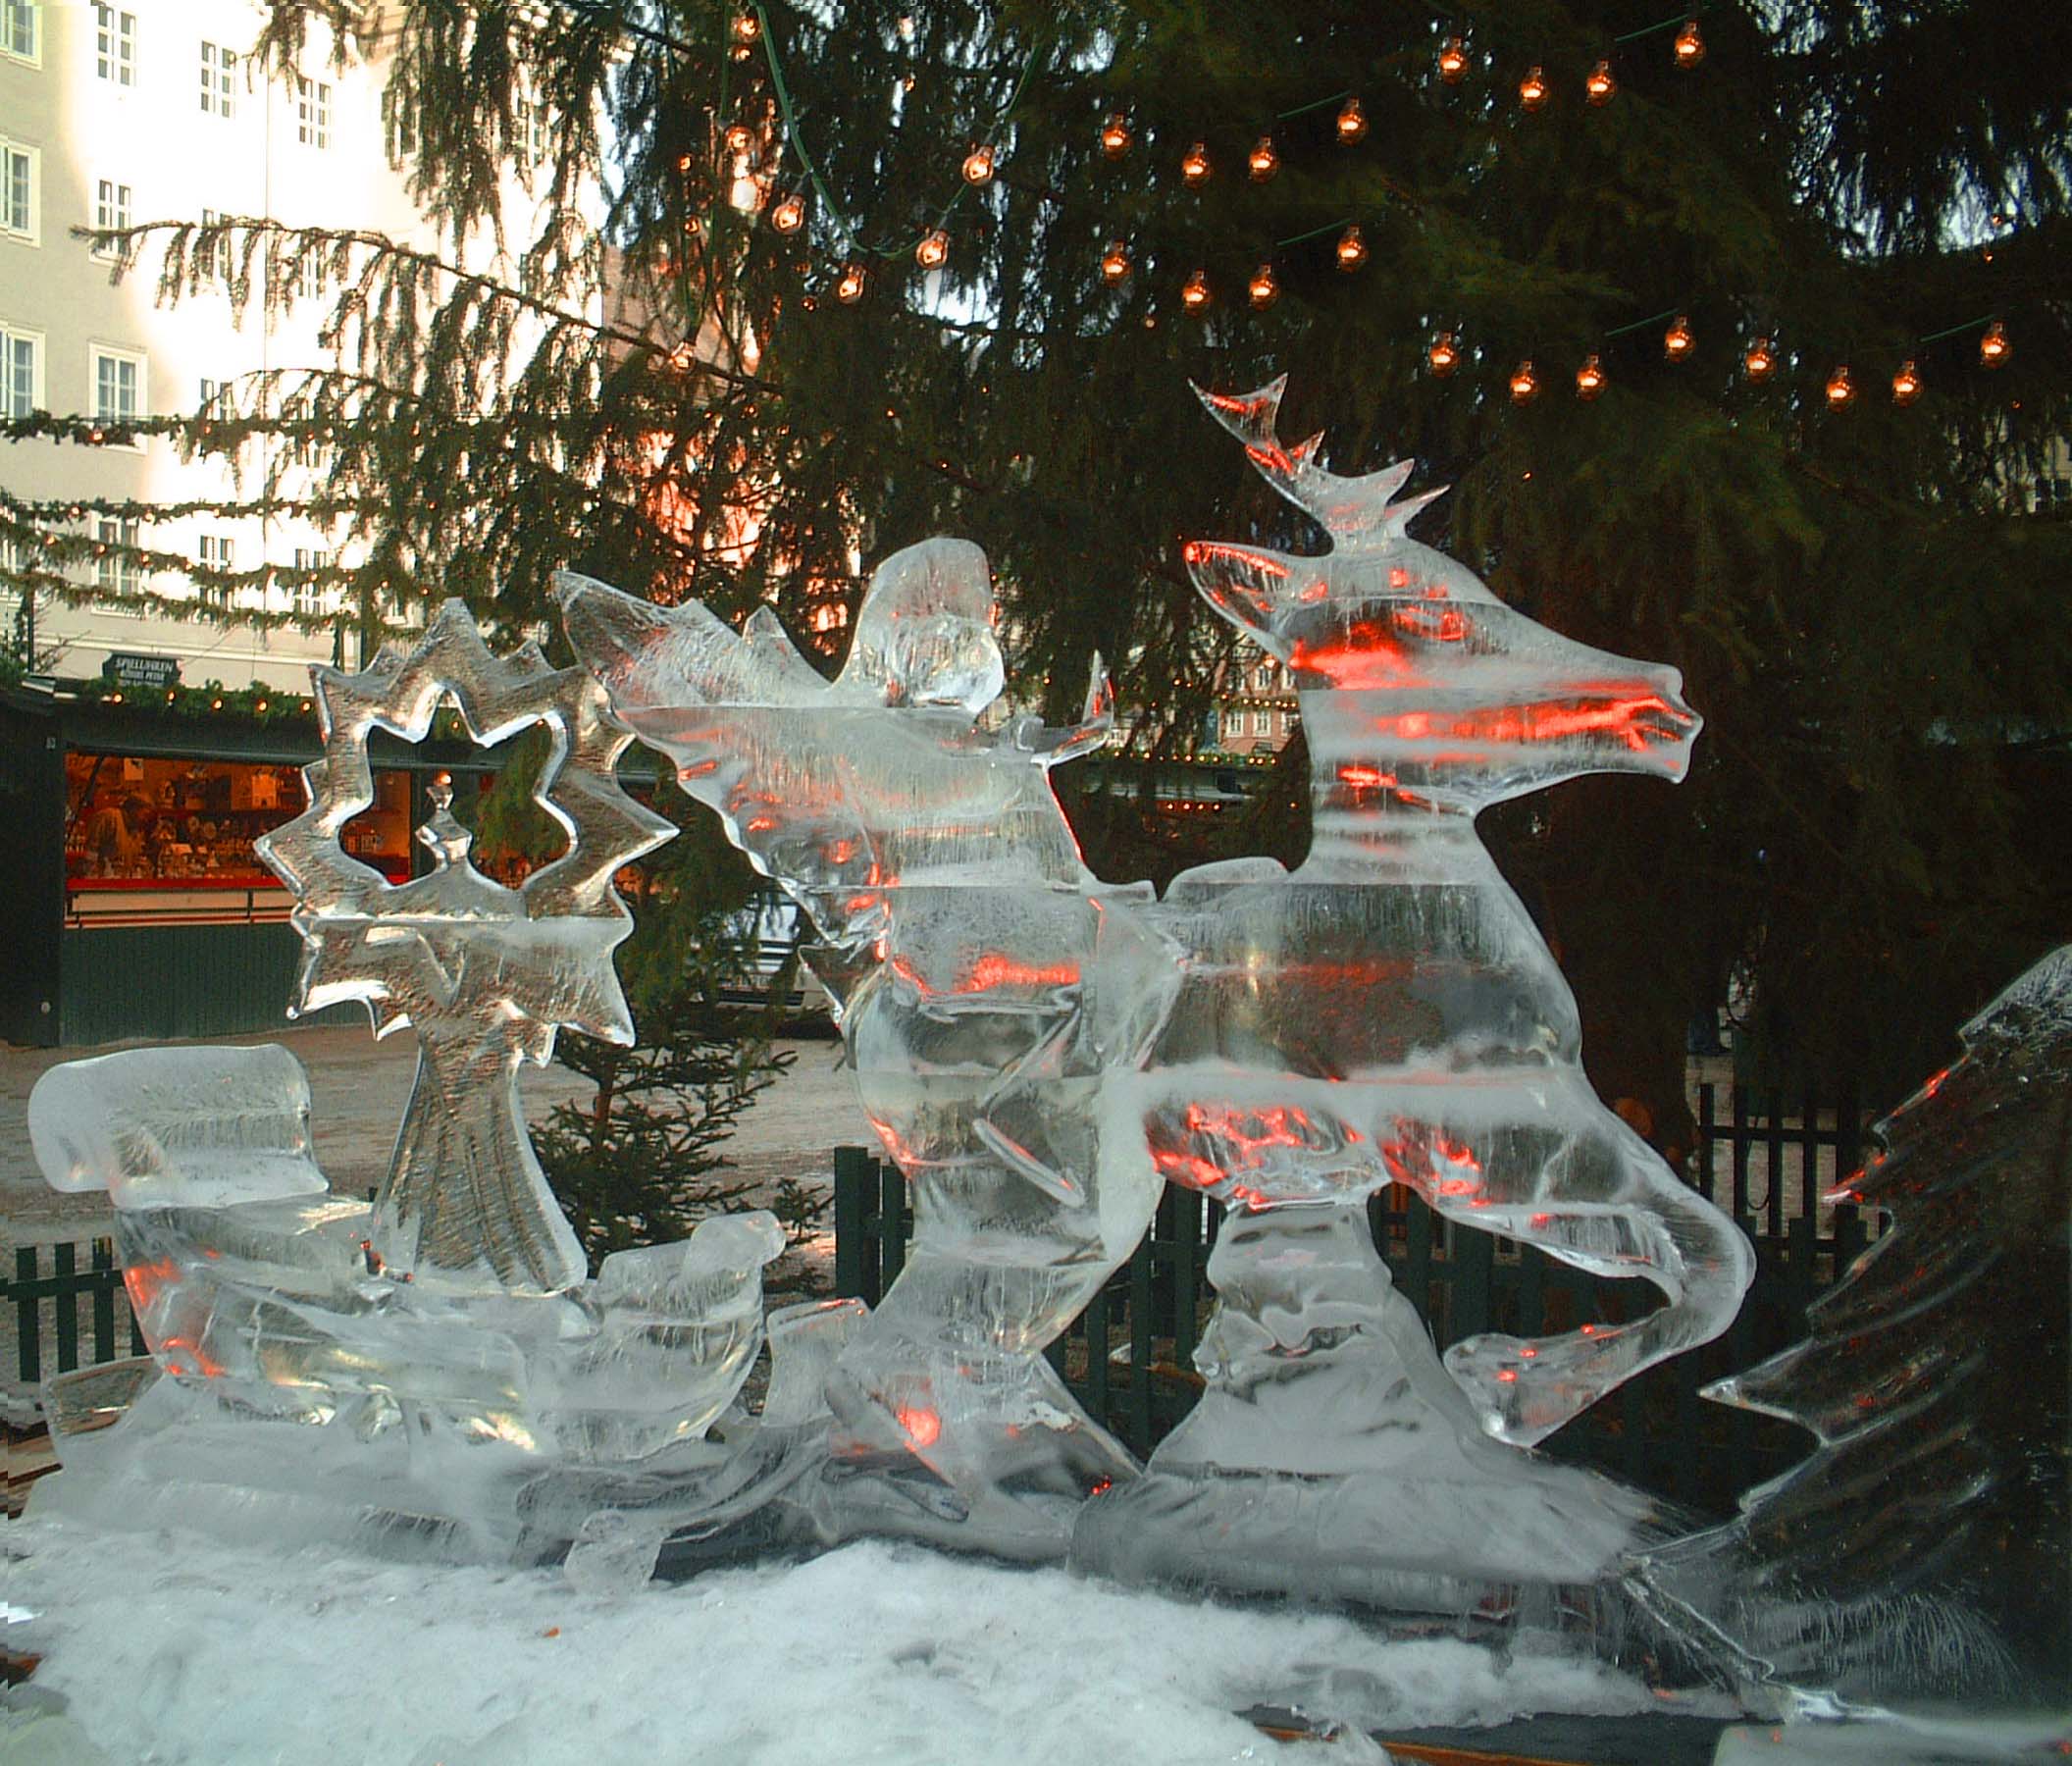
(1129, 1355)
(46, 1308)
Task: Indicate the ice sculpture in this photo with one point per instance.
(987, 984)
(1920, 1552)
(1388, 1014)
(485, 974)
(434, 1365)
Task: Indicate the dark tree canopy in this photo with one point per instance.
(1873, 625)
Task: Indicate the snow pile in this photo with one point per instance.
(169, 1647)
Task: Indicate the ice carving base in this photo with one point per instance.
(1332, 1459)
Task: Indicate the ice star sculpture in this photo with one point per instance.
(486, 974)
(987, 983)
(1388, 1014)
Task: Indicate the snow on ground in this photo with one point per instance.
(169, 1647)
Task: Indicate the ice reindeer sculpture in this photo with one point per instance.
(1388, 1014)
(987, 983)
(434, 1370)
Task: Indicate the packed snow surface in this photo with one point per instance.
(166, 1647)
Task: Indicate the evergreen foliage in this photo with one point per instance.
(1875, 630)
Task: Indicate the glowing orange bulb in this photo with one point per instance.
(1115, 263)
(1444, 356)
(1263, 287)
(1590, 379)
(1352, 249)
(978, 166)
(1760, 362)
(1689, 46)
(1524, 384)
(1532, 89)
(849, 289)
(683, 162)
(933, 250)
(1262, 160)
(1678, 340)
(748, 29)
(1115, 136)
(1194, 167)
(1352, 121)
(789, 216)
(1453, 61)
(1195, 296)
(1840, 390)
(1906, 384)
(737, 138)
(1600, 85)
(1995, 347)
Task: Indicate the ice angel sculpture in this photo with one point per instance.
(1389, 1014)
(432, 1371)
(987, 984)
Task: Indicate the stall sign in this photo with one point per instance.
(128, 669)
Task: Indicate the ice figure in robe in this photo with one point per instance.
(986, 980)
(1388, 1014)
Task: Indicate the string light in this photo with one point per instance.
(1906, 384)
(1262, 160)
(747, 30)
(1194, 166)
(1115, 263)
(1760, 362)
(1590, 379)
(1600, 85)
(1352, 123)
(1115, 136)
(1453, 61)
(1678, 340)
(850, 289)
(1995, 347)
(1689, 47)
(1524, 384)
(789, 216)
(683, 162)
(933, 250)
(1532, 89)
(978, 166)
(1195, 296)
(737, 138)
(1263, 290)
(1444, 356)
(1350, 249)
(1841, 391)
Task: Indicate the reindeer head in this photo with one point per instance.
(1414, 678)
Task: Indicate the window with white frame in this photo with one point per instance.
(21, 209)
(216, 262)
(1287, 723)
(111, 210)
(530, 131)
(21, 29)
(118, 386)
(401, 120)
(114, 45)
(115, 569)
(310, 597)
(312, 113)
(219, 73)
(309, 277)
(21, 372)
(1259, 721)
(216, 552)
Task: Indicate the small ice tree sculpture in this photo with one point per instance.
(486, 974)
(1920, 1550)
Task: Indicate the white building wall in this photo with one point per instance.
(177, 159)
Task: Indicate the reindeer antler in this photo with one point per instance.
(1357, 512)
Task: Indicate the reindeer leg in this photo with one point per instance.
(1526, 1388)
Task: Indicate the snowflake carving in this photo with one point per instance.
(486, 974)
